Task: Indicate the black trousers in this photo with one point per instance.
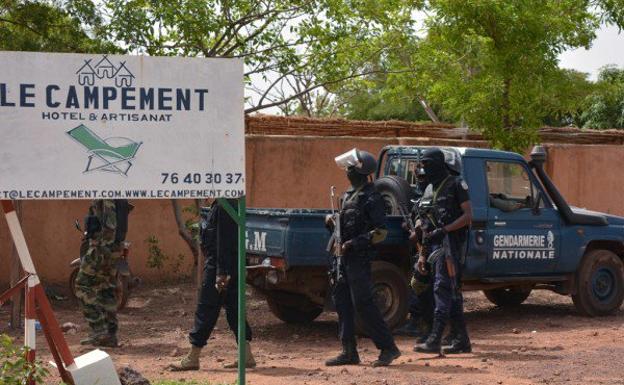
(421, 305)
(449, 301)
(354, 294)
(209, 306)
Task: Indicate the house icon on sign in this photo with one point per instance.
(104, 68)
(123, 77)
(86, 74)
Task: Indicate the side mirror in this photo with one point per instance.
(536, 203)
(77, 224)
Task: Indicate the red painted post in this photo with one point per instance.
(30, 314)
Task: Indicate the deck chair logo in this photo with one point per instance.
(92, 70)
(113, 155)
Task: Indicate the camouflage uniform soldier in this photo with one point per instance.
(95, 282)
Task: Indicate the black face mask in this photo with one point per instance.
(356, 178)
(435, 171)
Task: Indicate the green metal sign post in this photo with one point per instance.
(240, 218)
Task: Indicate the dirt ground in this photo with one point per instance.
(543, 341)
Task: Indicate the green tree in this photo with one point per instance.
(493, 64)
(564, 99)
(604, 108)
(489, 64)
(49, 26)
(290, 47)
(372, 98)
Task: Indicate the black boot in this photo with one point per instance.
(349, 355)
(410, 329)
(425, 330)
(461, 342)
(452, 334)
(432, 344)
(386, 356)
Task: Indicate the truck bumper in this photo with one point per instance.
(276, 281)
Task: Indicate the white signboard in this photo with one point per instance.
(76, 126)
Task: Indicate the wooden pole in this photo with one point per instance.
(15, 270)
(35, 295)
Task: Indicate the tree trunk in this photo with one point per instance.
(188, 238)
(432, 115)
(15, 275)
(193, 243)
(506, 104)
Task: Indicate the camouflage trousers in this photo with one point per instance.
(95, 289)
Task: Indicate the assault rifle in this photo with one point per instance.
(407, 218)
(335, 242)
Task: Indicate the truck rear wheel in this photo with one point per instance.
(390, 293)
(395, 191)
(599, 283)
(507, 296)
(293, 314)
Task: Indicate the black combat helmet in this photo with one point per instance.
(433, 154)
(368, 163)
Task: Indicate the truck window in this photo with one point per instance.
(411, 172)
(510, 186)
(393, 166)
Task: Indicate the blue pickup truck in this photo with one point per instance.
(524, 236)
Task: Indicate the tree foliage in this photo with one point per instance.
(48, 27)
(489, 64)
(290, 47)
(564, 99)
(371, 98)
(493, 64)
(604, 108)
(15, 369)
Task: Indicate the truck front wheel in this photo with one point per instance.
(507, 296)
(599, 283)
(293, 314)
(390, 293)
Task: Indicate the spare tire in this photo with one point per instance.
(395, 191)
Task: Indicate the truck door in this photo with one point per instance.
(521, 239)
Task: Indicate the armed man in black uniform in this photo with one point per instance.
(361, 223)
(450, 215)
(421, 301)
(219, 244)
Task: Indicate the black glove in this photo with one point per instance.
(436, 236)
